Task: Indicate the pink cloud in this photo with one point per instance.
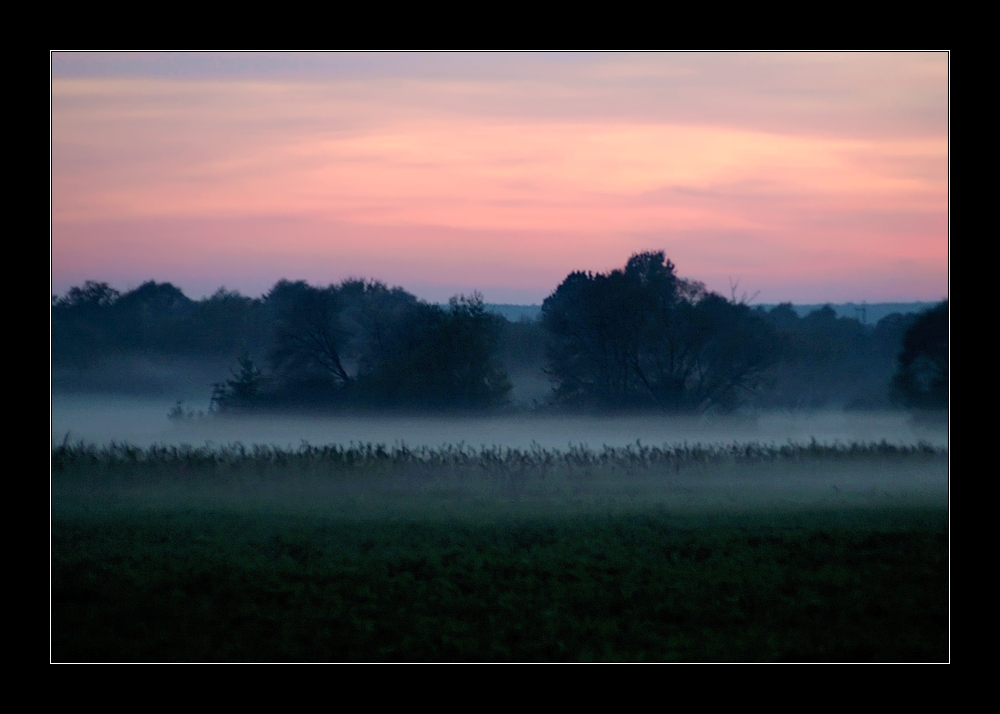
(733, 163)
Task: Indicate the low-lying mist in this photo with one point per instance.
(144, 421)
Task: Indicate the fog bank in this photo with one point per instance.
(103, 419)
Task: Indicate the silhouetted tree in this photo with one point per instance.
(830, 361)
(642, 336)
(439, 358)
(373, 314)
(921, 380)
(155, 317)
(84, 324)
(241, 391)
(91, 295)
(228, 323)
(308, 334)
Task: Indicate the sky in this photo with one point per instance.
(807, 178)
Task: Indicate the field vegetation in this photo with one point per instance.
(746, 553)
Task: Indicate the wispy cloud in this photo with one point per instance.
(817, 160)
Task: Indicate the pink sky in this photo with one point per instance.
(811, 178)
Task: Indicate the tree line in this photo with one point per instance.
(635, 338)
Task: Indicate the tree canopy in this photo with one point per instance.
(441, 358)
(642, 336)
(637, 337)
(921, 379)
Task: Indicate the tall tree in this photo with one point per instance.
(441, 359)
(308, 333)
(374, 315)
(642, 336)
(921, 379)
(83, 324)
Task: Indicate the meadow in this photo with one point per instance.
(746, 552)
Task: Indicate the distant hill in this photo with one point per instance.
(515, 313)
(868, 313)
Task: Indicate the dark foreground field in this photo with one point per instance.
(801, 554)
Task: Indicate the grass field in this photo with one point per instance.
(751, 553)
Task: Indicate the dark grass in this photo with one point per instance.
(450, 555)
(231, 587)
